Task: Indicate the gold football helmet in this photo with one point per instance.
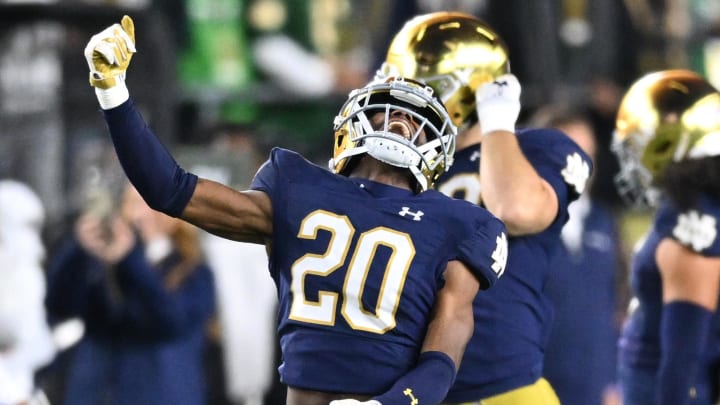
(452, 52)
(427, 150)
(664, 117)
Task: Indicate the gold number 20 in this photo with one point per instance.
(376, 320)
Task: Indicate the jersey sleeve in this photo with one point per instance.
(696, 228)
(558, 160)
(266, 176)
(485, 251)
(281, 165)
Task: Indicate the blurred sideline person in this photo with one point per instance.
(247, 314)
(585, 288)
(26, 343)
(526, 178)
(376, 274)
(139, 283)
(667, 141)
(247, 299)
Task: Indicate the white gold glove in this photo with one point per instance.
(108, 55)
(498, 104)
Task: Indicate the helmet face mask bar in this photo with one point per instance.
(634, 182)
(452, 52)
(426, 152)
(664, 117)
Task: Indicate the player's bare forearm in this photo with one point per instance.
(453, 322)
(512, 189)
(700, 286)
(238, 215)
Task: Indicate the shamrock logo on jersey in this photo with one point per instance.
(695, 230)
(577, 172)
(500, 255)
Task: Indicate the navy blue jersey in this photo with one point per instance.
(358, 266)
(696, 229)
(512, 320)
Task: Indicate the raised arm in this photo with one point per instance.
(511, 188)
(163, 184)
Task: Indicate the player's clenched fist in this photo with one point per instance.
(108, 53)
(498, 104)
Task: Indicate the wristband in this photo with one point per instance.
(684, 332)
(498, 114)
(427, 383)
(490, 125)
(114, 96)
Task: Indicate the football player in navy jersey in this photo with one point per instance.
(667, 141)
(526, 178)
(375, 273)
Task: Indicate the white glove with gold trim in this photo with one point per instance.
(108, 55)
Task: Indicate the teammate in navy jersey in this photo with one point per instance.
(667, 141)
(375, 273)
(526, 178)
(587, 286)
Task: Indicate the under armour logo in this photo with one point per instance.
(475, 156)
(408, 393)
(500, 83)
(406, 211)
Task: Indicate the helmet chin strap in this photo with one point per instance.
(396, 153)
(391, 151)
(422, 181)
(381, 149)
(346, 154)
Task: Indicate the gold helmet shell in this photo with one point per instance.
(666, 116)
(426, 153)
(452, 52)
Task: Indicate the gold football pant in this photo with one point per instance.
(539, 393)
